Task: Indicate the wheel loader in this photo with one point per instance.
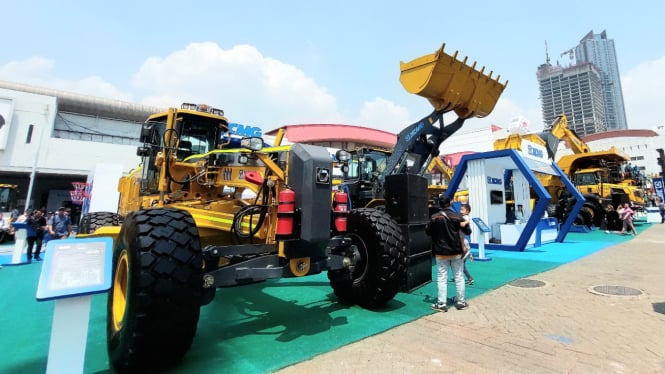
(206, 210)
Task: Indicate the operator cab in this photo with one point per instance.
(193, 129)
(366, 164)
(591, 177)
(8, 198)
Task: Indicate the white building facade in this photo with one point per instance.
(52, 138)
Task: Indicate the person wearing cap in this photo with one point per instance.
(60, 226)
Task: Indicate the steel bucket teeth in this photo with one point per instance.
(450, 84)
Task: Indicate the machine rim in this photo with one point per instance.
(362, 260)
(120, 287)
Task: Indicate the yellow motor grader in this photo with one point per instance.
(205, 210)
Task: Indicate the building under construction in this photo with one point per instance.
(576, 91)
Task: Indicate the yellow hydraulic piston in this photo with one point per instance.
(450, 84)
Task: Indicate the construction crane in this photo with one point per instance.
(570, 53)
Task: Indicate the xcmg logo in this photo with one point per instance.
(245, 130)
(491, 180)
(414, 132)
(536, 152)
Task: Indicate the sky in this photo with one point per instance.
(275, 63)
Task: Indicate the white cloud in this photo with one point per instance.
(38, 71)
(384, 115)
(642, 93)
(250, 87)
(28, 71)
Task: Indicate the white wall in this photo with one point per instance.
(478, 140)
(28, 109)
(54, 155)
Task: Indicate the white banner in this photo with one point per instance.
(658, 187)
(534, 151)
(6, 110)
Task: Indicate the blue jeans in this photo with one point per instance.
(457, 265)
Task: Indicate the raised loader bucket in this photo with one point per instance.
(450, 84)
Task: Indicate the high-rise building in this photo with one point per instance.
(574, 91)
(597, 49)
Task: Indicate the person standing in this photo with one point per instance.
(464, 210)
(612, 221)
(37, 223)
(519, 214)
(444, 228)
(627, 218)
(5, 229)
(60, 226)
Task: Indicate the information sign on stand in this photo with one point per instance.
(20, 242)
(484, 229)
(73, 270)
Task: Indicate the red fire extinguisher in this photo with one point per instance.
(285, 211)
(340, 210)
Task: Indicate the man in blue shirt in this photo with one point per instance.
(60, 226)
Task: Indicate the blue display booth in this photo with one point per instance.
(485, 175)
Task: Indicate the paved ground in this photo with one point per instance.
(562, 327)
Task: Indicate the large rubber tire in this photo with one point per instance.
(595, 209)
(583, 219)
(154, 304)
(92, 221)
(565, 205)
(378, 274)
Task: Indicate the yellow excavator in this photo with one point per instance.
(440, 171)
(598, 175)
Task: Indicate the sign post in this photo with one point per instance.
(73, 270)
(20, 242)
(484, 229)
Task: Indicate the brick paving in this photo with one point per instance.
(562, 327)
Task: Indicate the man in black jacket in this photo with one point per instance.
(37, 223)
(445, 228)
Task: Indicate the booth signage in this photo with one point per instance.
(658, 187)
(492, 180)
(245, 130)
(533, 151)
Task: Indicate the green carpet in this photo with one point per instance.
(263, 327)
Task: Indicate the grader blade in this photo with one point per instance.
(450, 84)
